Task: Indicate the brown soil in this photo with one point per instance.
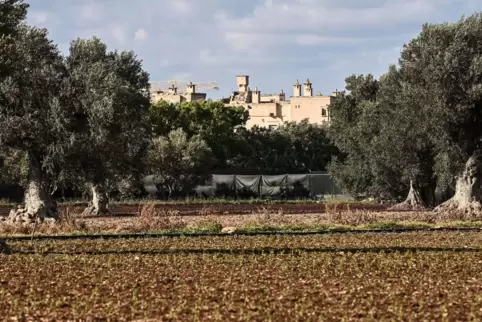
(412, 276)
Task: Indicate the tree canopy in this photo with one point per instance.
(212, 120)
(110, 94)
(86, 119)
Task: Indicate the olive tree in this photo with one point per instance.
(403, 143)
(110, 93)
(33, 115)
(445, 60)
(380, 127)
(12, 14)
(178, 162)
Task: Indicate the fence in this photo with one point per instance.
(285, 185)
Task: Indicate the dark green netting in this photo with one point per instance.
(314, 185)
(248, 183)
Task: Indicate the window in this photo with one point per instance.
(323, 112)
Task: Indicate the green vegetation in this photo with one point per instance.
(81, 126)
(414, 133)
(418, 128)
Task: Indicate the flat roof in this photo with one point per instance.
(242, 75)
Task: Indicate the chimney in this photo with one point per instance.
(173, 89)
(256, 98)
(307, 90)
(190, 88)
(297, 89)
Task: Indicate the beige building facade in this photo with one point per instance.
(272, 110)
(172, 95)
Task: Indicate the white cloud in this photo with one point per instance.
(92, 11)
(181, 6)
(274, 40)
(40, 17)
(140, 34)
(164, 63)
(311, 15)
(316, 40)
(252, 42)
(118, 33)
(183, 77)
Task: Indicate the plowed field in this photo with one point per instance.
(432, 276)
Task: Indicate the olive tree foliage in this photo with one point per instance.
(12, 13)
(178, 162)
(14, 165)
(378, 125)
(213, 121)
(445, 60)
(33, 115)
(351, 134)
(110, 95)
(293, 147)
(401, 149)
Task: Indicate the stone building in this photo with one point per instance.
(172, 95)
(272, 110)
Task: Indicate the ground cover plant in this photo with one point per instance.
(410, 276)
(160, 219)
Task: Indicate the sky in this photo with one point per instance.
(275, 42)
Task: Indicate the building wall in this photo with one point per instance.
(296, 109)
(271, 98)
(171, 98)
(190, 97)
(178, 98)
(271, 109)
(266, 114)
(274, 110)
(310, 107)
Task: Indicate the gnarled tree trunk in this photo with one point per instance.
(414, 200)
(100, 202)
(468, 193)
(39, 205)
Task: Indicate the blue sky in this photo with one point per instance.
(273, 41)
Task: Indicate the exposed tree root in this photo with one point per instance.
(455, 209)
(92, 210)
(39, 205)
(467, 200)
(100, 202)
(414, 200)
(29, 215)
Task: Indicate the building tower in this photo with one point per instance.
(243, 83)
(282, 96)
(173, 89)
(256, 98)
(307, 88)
(190, 88)
(297, 89)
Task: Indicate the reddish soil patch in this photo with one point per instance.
(240, 209)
